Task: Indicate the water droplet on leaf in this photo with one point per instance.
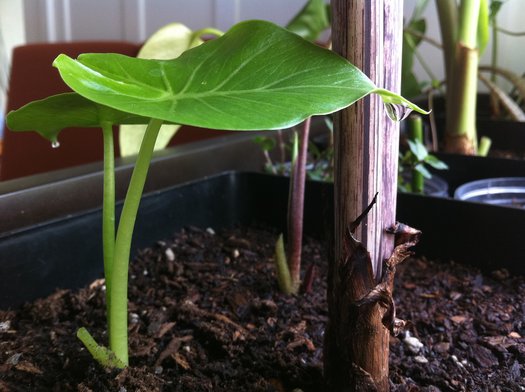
(55, 144)
(397, 112)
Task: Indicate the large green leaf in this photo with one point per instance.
(256, 76)
(50, 115)
(311, 20)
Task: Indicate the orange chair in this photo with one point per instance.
(32, 77)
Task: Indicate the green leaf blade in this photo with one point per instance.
(51, 115)
(266, 143)
(255, 68)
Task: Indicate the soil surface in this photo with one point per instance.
(206, 315)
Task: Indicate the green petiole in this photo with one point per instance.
(108, 211)
(118, 314)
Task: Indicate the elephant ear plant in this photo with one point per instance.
(256, 76)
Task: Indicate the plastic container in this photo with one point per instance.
(436, 186)
(505, 191)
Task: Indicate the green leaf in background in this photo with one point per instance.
(413, 31)
(266, 143)
(256, 76)
(420, 168)
(435, 162)
(410, 86)
(311, 20)
(494, 8)
(418, 149)
(169, 42)
(483, 26)
(51, 115)
(419, 9)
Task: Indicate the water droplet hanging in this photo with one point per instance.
(397, 112)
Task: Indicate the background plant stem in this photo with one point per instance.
(119, 286)
(466, 77)
(468, 22)
(494, 103)
(461, 63)
(416, 133)
(448, 16)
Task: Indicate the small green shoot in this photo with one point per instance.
(283, 271)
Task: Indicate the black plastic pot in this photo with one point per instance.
(463, 169)
(66, 253)
(506, 135)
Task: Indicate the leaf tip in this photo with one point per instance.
(61, 59)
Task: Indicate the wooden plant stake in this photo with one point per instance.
(368, 34)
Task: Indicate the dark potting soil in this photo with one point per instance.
(206, 315)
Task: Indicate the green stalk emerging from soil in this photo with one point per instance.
(108, 212)
(117, 251)
(118, 317)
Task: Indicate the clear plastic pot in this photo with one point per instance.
(505, 191)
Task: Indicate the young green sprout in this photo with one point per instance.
(257, 76)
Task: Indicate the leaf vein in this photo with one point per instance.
(189, 80)
(165, 80)
(239, 68)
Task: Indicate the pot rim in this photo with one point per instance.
(491, 186)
